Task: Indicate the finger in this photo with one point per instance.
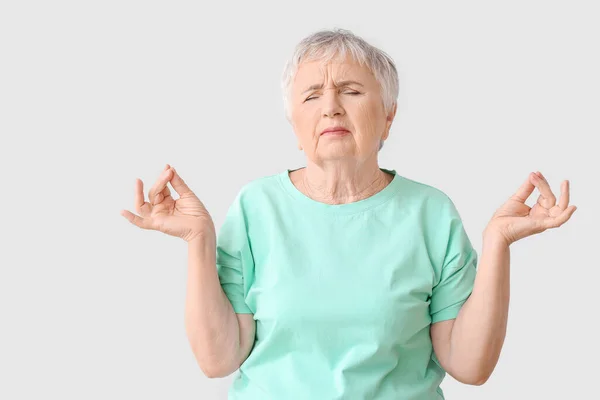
(166, 192)
(160, 184)
(547, 198)
(144, 223)
(140, 204)
(565, 195)
(523, 193)
(548, 191)
(152, 194)
(555, 222)
(178, 184)
(160, 197)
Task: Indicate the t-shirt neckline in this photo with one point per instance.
(361, 205)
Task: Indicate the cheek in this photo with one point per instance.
(306, 124)
(367, 118)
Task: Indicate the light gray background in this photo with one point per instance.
(95, 94)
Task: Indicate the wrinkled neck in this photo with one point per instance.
(340, 183)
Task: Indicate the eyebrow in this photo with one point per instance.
(342, 83)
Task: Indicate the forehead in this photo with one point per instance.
(315, 71)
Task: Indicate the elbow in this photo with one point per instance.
(474, 378)
(481, 381)
(212, 374)
(473, 372)
(216, 371)
(212, 368)
(478, 380)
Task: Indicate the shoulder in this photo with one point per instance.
(259, 191)
(427, 197)
(440, 219)
(260, 186)
(250, 198)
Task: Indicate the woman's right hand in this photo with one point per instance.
(185, 217)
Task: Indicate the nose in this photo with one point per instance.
(331, 103)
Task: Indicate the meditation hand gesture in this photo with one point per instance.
(515, 220)
(185, 217)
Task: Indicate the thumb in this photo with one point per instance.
(178, 184)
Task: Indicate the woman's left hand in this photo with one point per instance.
(515, 220)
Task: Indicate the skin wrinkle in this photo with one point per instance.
(377, 184)
(339, 169)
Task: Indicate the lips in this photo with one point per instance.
(335, 131)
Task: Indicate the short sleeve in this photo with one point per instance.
(234, 257)
(456, 276)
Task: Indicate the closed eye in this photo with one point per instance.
(353, 93)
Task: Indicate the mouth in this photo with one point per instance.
(335, 132)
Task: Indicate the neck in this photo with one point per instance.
(340, 183)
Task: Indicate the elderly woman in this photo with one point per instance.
(342, 279)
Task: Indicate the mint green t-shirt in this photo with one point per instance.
(343, 295)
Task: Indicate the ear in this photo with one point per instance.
(389, 120)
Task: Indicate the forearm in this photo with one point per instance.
(211, 324)
(480, 328)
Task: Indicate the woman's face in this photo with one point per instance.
(338, 93)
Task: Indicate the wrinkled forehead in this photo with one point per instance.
(324, 71)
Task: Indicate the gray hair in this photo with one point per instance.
(326, 45)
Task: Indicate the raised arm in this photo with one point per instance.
(220, 339)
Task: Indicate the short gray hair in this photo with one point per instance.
(325, 45)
